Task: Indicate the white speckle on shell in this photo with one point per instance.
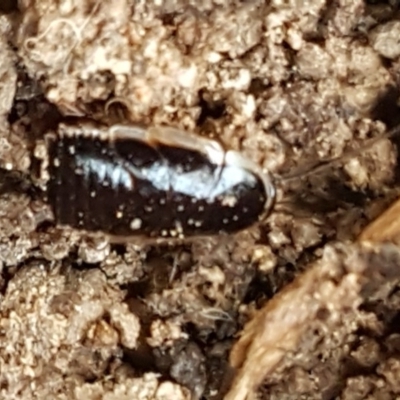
(136, 224)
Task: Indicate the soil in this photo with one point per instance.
(299, 306)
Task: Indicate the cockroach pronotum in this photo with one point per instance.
(158, 182)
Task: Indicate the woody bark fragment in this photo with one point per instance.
(316, 304)
(385, 228)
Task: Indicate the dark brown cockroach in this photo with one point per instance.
(126, 181)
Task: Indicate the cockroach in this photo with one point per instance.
(157, 182)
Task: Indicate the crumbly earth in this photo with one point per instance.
(293, 308)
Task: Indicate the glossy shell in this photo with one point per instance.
(125, 181)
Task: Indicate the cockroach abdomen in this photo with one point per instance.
(126, 181)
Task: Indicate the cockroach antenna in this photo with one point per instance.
(321, 166)
(283, 182)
